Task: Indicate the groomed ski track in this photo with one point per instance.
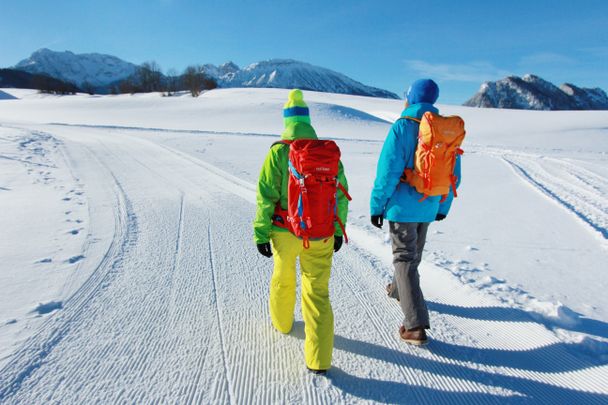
(175, 310)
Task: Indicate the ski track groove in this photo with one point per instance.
(584, 197)
(243, 387)
(221, 329)
(31, 357)
(218, 387)
(591, 211)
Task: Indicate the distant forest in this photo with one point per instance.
(43, 83)
(148, 78)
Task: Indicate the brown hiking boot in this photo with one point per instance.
(414, 336)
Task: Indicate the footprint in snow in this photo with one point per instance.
(48, 307)
(67, 199)
(74, 231)
(11, 322)
(47, 260)
(75, 259)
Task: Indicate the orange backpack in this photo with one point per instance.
(439, 140)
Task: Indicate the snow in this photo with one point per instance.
(128, 271)
(6, 96)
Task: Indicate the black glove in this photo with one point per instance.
(264, 249)
(440, 217)
(377, 221)
(337, 243)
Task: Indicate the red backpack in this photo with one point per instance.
(312, 190)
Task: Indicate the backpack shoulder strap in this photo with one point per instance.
(409, 118)
(281, 142)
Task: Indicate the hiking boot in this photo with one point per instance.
(389, 290)
(414, 336)
(316, 372)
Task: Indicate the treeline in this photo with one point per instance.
(44, 84)
(149, 78)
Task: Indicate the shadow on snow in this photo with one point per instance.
(526, 390)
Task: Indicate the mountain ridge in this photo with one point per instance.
(290, 73)
(531, 92)
(95, 69)
(102, 72)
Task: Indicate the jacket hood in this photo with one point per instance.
(298, 130)
(418, 110)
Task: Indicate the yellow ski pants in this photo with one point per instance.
(315, 264)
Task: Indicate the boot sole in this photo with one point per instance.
(415, 342)
(316, 372)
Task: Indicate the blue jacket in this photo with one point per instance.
(396, 201)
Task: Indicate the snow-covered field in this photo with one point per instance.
(128, 272)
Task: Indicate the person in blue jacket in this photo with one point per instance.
(408, 217)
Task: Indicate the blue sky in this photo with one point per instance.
(385, 44)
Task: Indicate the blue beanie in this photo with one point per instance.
(423, 91)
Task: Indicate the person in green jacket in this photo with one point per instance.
(315, 262)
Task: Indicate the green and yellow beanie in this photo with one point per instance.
(295, 109)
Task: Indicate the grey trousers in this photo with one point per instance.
(408, 242)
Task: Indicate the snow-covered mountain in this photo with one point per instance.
(103, 71)
(533, 93)
(288, 73)
(97, 69)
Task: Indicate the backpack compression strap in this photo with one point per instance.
(407, 117)
(338, 220)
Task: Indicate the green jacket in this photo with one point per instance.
(273, 181)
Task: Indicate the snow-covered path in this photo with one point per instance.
(175, 308)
